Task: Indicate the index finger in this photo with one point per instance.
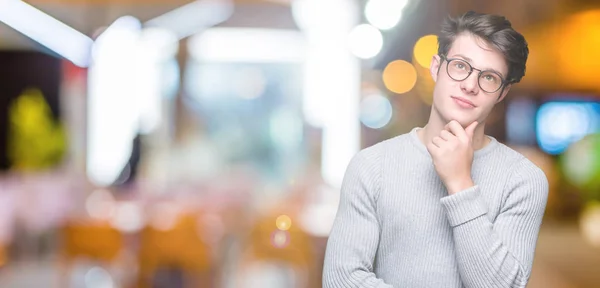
(455, 128)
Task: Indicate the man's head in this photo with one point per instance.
(479, 57)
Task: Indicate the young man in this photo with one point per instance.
(445, 205)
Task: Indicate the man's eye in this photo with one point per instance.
(490, 78)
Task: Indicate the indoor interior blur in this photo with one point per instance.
(180, 143)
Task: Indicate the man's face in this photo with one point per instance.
(465, 101)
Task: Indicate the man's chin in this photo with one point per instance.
(464, 122)
(460, 117)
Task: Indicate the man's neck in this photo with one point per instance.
(434, 127)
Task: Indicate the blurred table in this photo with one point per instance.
(564, 260)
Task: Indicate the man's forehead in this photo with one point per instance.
(478, 52)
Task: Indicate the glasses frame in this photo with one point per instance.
(471, 68)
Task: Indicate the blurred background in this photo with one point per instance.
(178, 143)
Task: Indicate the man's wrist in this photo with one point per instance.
(459, 185)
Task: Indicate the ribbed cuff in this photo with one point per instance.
(464, 206)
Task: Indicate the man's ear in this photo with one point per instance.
(503, 93)
(434, 68)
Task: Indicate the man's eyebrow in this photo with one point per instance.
(464, 57)
(471, 60)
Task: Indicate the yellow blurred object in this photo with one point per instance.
(35, 140)
(179, 246)
(283, 222)
(3, 256)
(93, 240)
(291, 248)
(423, 52)
(96, 241)
(269, 243)
(399, 76)
(581, 41)
(424, 49)
(562, 53)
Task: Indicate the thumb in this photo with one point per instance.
(471, 129)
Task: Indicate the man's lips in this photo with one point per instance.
(463, 100)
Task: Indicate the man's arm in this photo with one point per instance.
(354, 237)
(499, 254)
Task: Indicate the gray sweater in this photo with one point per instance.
(396, 226)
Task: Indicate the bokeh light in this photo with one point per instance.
(590, 223)
(317, 218)
(579, 39)
(280, 239)
(100, 204)
(314, 15)
(164, 216)
(375, 111)
(424, 49)
(561, 123)
(283, 222)
(399, 76)
(98, 277)
(365, 41)
(568, 42)
(384, 14)
(581, 163)
(128, 217)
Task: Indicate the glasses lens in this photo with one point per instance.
(490, 81)
(458, 70)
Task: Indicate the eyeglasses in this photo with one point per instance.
(459, 70)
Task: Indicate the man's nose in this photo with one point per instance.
(471, 85)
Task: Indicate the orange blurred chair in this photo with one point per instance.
(275, 238)
(178, 246)
(3, 255)
(90, 240)
(98, 241)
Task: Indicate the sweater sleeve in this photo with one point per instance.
(354, 237)
(499, 253)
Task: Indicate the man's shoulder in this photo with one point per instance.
(387, 146)
(519, 164)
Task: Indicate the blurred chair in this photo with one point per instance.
(276, 240)
(3, 255)
(89, 240)
(179, 246)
